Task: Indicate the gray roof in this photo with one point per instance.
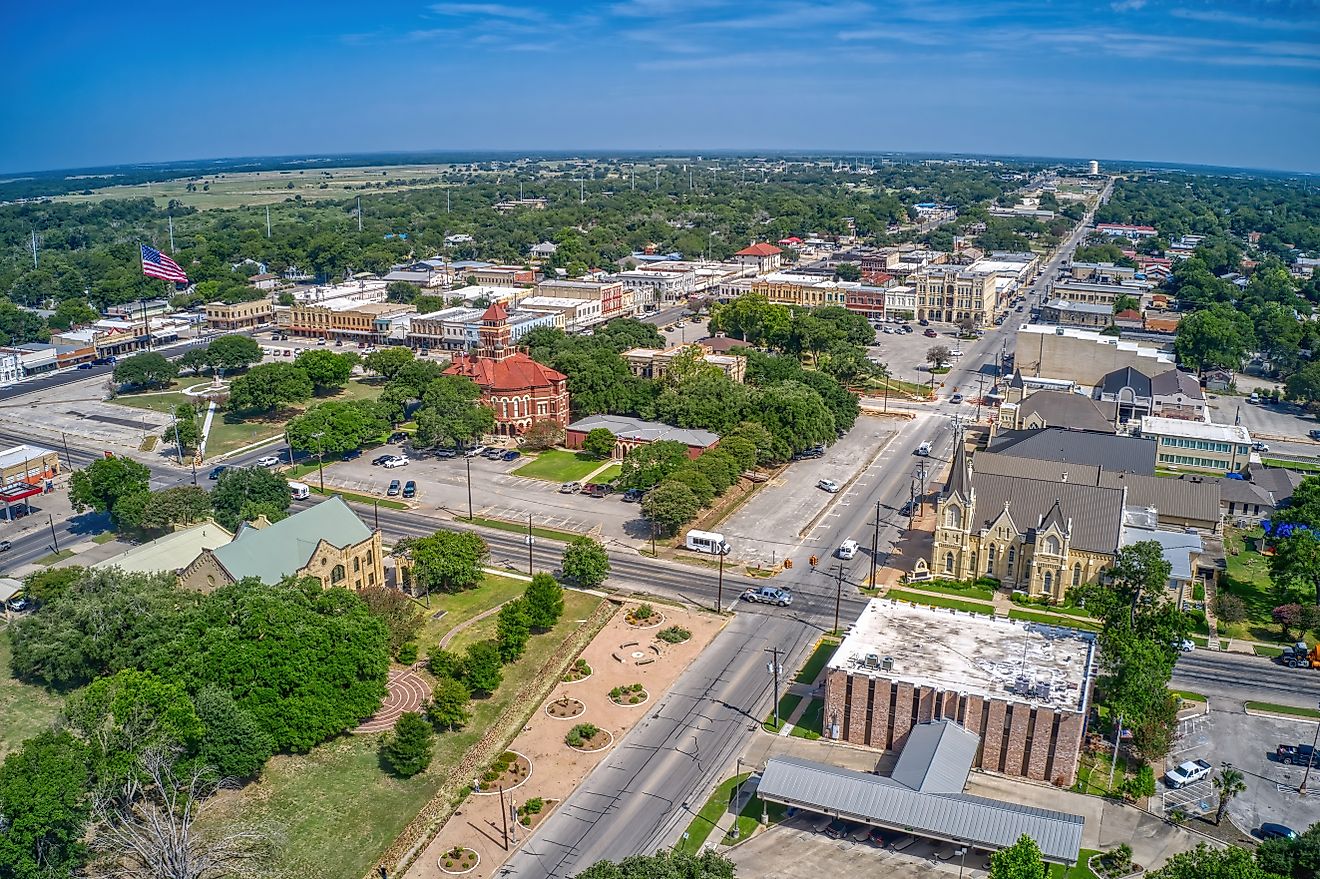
(1096, 513)
(1243, 492)
(1127, 377)
(274, 552)
(1177, 547)
(646, 431)
(1278, 481)
(937, 757)
(874, 799)
(1166, 384)
(1079, 307)
(1064, 409)
(1129, 454)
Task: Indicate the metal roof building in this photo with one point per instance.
(952, 816)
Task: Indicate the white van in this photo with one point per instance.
(707, 541)
(299, 490)
(848, 549)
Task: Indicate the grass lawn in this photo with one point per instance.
(104, 537)
(787, 704)
(558, 465)
(359, 498)
(821, 655)
(940, 601)
(521, 528)
(750, 818)
(463, 606)
(335, 806)
(1289, 465)
(1190, 697)
(809, 724)
(25, 710)
(1079, 871)
(877, 386)
(1283, 709)
(977, 593)
(1263, 650)
(55, 557)
(609, 474)
(1053, 619)
(709, 815)
(1248, 577)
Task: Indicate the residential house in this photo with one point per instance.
(761, 256)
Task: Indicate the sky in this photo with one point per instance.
(1185, 81)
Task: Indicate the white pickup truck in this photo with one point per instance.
(1187, 773)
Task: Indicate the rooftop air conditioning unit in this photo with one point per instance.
(887, 663)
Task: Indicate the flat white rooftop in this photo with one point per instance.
(1152, 425)
(969, 653)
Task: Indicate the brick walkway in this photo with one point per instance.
(407, 692)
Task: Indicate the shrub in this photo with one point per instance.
(577, 671)
(532, 806)
(580, 734)
(1198, 592)
(1140, 785)
(643, 612)
(407, 653)
(1230, 608)
(674, 635)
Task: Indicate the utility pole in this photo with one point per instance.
(875, 543)
(178, 445)
(50, 520)
(68, 458)
(320, 462)
(980, 393)
(838, 594)
(375, 506)
(719, 588)
(529, 544)
(267, 221)
(1306, 775)
(912, 501)
(504, 815)
(468, 461)
(774, 668)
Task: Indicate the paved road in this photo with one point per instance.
(1236, 678)
(68, 376)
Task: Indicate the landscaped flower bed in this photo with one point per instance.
(578, 671)
(534, 811)
(509, 770)
(565, 708)
(643, 616)
(459, 860)
(588, 737)
(629, 694)
(1116, 864)
(673, 635)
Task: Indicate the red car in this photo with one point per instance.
(930, 333)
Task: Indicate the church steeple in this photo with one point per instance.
(959, 482)
(494, 334)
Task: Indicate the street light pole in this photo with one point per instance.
(1311, 759)
(50, 520)
(774, 670)
(875, 543)
(68, 458)
(320, 460)
(838, 594)
(719, 588)
(468, 462)
(529, 544)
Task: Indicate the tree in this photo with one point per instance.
(542, 434)
(451, 413)
(1304, 506)
(449, 700)
(1228, 783)
(670, 506)
(407, 751)
(233, 744)
(545, 602)
(481, 668)
(43, 798)
(50, 584)
(268, 386)
(146, 370)
(1292, 858)
(513, 628)
(447, 561)
(342, 425)
(1204, 862)
(101, 484)
(239, 491)
(645, 466)
(443, 663)
(1229, 608)
(1126, 303)
(694, 479)
(194, 360)
(599, 442)
(233, 352)
(938, 356)
(1295, 565)
(1215, 336)
(795, 416)
(1021, 860)
(665, 864)
(387, 362)
(1304, 385)
(145, 825)
(847, 271)
(70, 313)
(397, 611)
(327, 370)
(586, 561)
(186, 431)
(163, 510)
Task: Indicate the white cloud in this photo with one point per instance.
(488, 10)
(1127, 5)
(1219, 16)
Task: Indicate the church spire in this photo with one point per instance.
(959, 482)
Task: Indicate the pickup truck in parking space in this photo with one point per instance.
(1297, 755)
(1187, 773)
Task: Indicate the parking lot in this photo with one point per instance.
(1284, 426)
(1247, 742)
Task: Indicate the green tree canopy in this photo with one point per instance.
(450, 414)
(645, 466)
(1204, 862)
(268, 386)
(586, 561)
(44, 800)
(102, 483)
(242, 489)
(449, 704)
(408, 750)
(233, 352)
(146, 370)
(1021, 860)
(447, 561)
(666, 864)
(387, 362)
(343, 425)
(399, 613)
(1215, 336)
(599, 442)
(670, 506)
(545, 601)
(328, 370)
(513, 628)
(171, 507)
(1295, 564)
(481, 668)
(233, 743)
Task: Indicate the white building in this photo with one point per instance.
(576, 314)
(1195, 445)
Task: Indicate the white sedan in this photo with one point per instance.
(396, 462)
(268, 461)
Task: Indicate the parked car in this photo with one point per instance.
(828, 485)
(396, 461)
(321, 341)
(570, 488)
(768, 595)
(410, 489)
(1258, 446)
(380, 459)
(446, 453)
(1297, 755)
(474, 451)
(956, 399)
(838, 829)
(352, 455)
(633, 495)
(398, 436)
(393, 490)
(216, 471)
(511, 455)
(493, 453)
(5, 546)
(906, 509)
(268, 461)
(1270, 830)
(84, 366)
(597, 489)
(18, 604)
(930, 334)
(1188, 773)
(923, 322)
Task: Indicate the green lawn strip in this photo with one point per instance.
(1289, 465)
(537, 531)
(811, 668)
(1190, 697)
(558, 465)
(787, 703)
(709, 815)
(360, 498)
(55, 557)
(1266, 650)
(1080, 870)
(336, 808)
(1053, 619)
(976, 593)
(1200, 640)
(1291, 710)
(809, 725)
(940, 601)
(1248, 574)
(609, 474)
(750, 818)
(459, 607)
(104, 537)
(25, 710)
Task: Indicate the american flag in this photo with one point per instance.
(157, 265)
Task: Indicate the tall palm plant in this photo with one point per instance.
(1229, 783)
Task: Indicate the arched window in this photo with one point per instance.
(1077, 574)
(990, 560)
(948, 562)
(1052, 545)
(337, 574)
(1049, 583)
(953, 518)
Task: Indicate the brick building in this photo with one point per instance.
(1023, 688)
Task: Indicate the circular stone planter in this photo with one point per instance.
(456, 870)
(573, 710)
(607, 742)
(492, 788)
(655, 621)
(645, 694)
(572, 669)
(206, 389)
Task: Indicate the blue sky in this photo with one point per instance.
(1231, 83)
